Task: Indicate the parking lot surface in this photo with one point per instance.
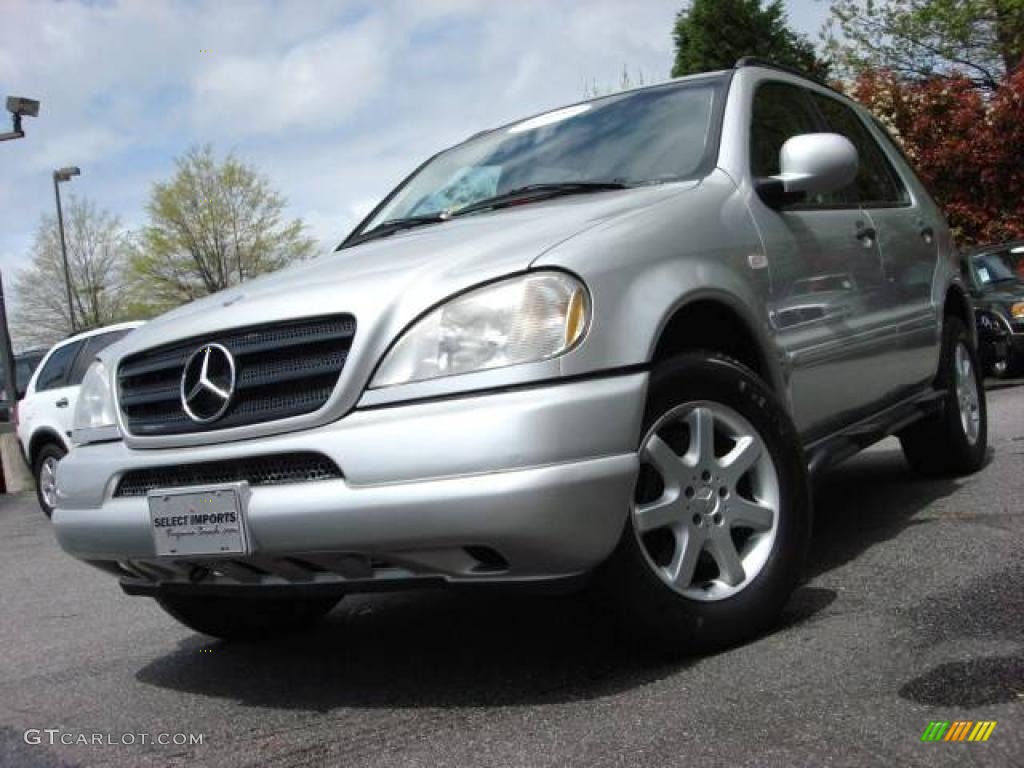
(913, 611)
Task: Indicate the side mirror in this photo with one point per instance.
(811, 164)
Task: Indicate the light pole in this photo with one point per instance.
(62, 175)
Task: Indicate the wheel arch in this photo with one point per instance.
(958, 304)
(41, 437)
(715, 323)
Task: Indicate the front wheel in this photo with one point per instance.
(720, 522)
(45, 471)
(246, 618)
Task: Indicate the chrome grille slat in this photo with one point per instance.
(283, 370)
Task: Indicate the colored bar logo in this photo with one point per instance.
(958, 730)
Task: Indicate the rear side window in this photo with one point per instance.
(92, 347)
(877, 183)
(55, 372)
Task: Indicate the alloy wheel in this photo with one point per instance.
(707, 505)
(967, 393)
(48, 481)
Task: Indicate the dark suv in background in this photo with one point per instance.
(25, 365)
(996, 277)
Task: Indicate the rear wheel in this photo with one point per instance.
(246, 618)
(45, 471)
(954, 439)
(720, 522)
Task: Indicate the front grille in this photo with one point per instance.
(278, 469)
(282, 370)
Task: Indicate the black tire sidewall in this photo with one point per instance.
(692, 625)
(47, 451)
(955, 333)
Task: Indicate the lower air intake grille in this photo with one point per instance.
(279, 469)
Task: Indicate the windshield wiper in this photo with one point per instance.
(532, 192)
(523, 194)
(391, 226)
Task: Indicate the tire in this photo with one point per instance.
(710, 611)
(43, 469)
(246, 618)
(945, 444)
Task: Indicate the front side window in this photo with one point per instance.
(641, 137)
(55, 372)
(780, 112)
(877, 183)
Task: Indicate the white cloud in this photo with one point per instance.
(95, 143)
(315, 84)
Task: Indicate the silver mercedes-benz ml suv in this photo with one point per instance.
(607, 344)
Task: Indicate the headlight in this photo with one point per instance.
(1017, 310)
(95, 407)
(524, 319)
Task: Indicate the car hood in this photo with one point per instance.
(386, 283)
(1009, 293)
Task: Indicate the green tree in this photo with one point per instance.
(98, 249)
(922, 39)
(713, 34)
(214, 225)
(627, 80)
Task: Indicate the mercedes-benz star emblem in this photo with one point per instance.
(208, 383)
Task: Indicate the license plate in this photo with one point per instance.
(195, 521)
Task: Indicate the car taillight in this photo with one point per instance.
(14, 415)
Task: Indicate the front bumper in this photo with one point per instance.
(541, 477)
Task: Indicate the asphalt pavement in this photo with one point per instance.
(913, 611)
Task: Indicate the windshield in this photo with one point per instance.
(1000, 266)
(641, 137)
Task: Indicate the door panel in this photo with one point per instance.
(826, 287)
(52, 401)
(907, 241)
(826, 272)
(909, 260)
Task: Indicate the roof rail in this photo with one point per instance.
(754, 61)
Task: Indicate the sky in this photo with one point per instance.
(334, 102)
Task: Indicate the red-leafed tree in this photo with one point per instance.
(964, 142)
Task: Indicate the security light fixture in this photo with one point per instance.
(65, 174)
(19, 107)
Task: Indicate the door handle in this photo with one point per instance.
(62, 403)
(927, 234)
(866, 234)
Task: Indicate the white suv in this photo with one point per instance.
(44, 414)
